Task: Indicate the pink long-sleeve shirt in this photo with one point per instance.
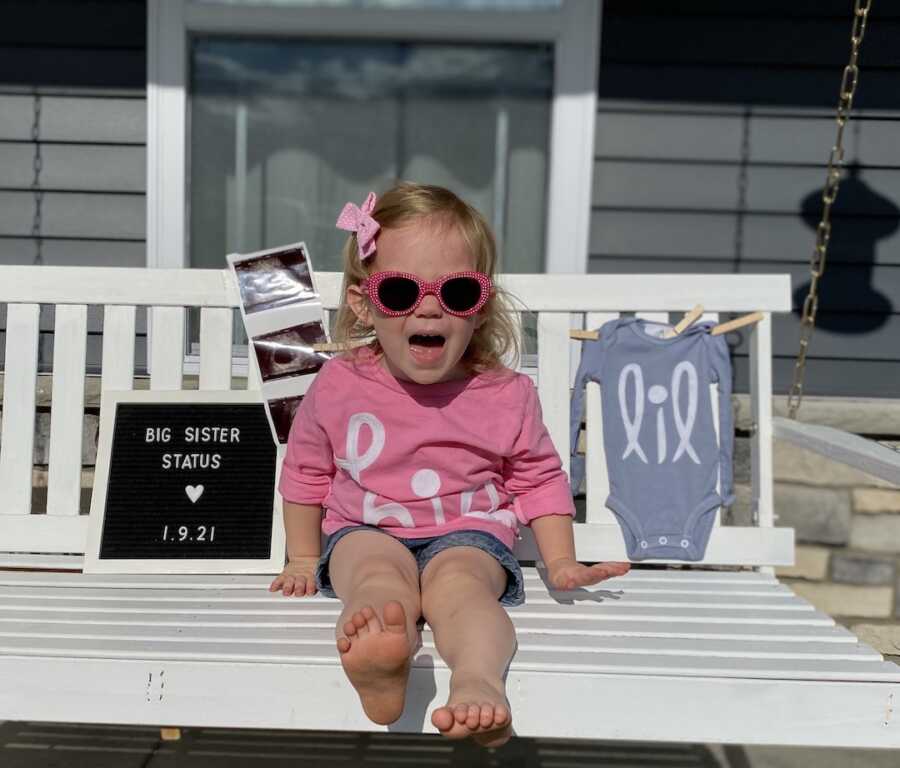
(422, 460)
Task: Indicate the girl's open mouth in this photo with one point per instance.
(426, 348)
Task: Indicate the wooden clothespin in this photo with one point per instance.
(685, 321)
(753, 317)
(738, 322)
(340, 346)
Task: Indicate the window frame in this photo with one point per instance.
(573, 29)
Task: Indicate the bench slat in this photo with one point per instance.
(553, 379)
(27, 532)
(540, 293)
(714, 404)
(537, 660)
(254, 381)
(29, 560)
(597, 475)
(119, 285)
(537, 597)
(510, 360)
(635, 707)
(118, 348)
(728, 545)
(762, 480)
(67, 410)
(166, 347)
(660, 611)
(544, 624)
(17, 438)
(195, 635)
(650, 581)
(298, 623)
(215, 348)
(732, 632)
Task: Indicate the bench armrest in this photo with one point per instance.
(844, 447)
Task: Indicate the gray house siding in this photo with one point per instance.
(714, 125)
(714, 122)
(73, 76)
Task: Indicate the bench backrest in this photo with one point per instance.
(560, 302)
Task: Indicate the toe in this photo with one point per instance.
(359, 621)
(473, 717)
(394, 617)
(442, 718)
(488, 716)
(372, 622)
(343, 644)
(460, 713)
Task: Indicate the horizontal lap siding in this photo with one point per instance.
(713, 131)
(87, 61)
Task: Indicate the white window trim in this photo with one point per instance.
(574, 30)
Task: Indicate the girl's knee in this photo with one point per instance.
(382, 576)
(384, 561)
(450, 581)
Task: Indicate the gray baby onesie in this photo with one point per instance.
(658, 433)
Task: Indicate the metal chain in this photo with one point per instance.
(37, 165)
(829, 194)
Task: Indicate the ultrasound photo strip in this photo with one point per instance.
(290, 351)
(281, 413)
(282, 396)
(277, 289)
(284, 320)
(274, 278)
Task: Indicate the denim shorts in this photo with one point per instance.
(423, 550)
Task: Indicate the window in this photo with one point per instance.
(284, 132)
(253, 141)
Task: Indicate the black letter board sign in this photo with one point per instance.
(185, 483)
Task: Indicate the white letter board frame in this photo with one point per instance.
(110, 400)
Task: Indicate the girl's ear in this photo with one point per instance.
(358, 302)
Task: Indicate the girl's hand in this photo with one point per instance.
(566, 573)
(298, 577)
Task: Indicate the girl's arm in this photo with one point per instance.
(555, 538)
(533, 472)
(302, 528)
(556, 542)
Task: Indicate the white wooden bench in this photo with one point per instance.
(676, 654)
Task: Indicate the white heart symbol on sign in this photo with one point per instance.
(193, 492)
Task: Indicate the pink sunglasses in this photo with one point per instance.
(399, 293)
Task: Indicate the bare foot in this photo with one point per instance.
(376, 659)
(476, 708)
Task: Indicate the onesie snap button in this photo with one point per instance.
(663, 540)
(685, 543)
(644, 545)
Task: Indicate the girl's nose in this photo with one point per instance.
(429, 307)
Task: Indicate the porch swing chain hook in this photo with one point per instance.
(829, 194)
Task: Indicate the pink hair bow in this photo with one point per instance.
(358, 220)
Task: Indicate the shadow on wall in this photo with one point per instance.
(860, 217)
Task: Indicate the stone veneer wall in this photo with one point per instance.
(847, 526)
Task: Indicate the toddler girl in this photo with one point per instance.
(426, 453)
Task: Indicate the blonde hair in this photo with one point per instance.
(497, 338)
